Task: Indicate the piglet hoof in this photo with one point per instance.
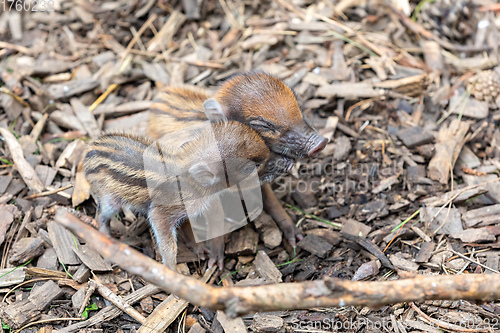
(213, 261)
(216, 255)
(290, 231)
(202, 252)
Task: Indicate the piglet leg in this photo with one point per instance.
(273, 207)
(165, 233)
(107, 207)
(216, 256)
(213, 247)
(215, 232)
(200, 249)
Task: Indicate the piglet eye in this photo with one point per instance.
(260, 124)
(249, 167)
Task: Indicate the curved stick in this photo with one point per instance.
(329, 292)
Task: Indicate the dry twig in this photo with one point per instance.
(47, 193)
(327, 293)
(118, 302)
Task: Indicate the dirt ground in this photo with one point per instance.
(407, 92)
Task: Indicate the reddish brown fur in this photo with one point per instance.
(260, 95)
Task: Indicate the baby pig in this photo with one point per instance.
(165, 182)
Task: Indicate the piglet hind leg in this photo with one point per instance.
(273, 207)
(212, 248)
(216, 256)
(200, 249)
(107, 207)
(165, 233)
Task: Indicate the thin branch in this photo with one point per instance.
(475, 262)
(47, 193)
(328, 292)
(118, 301)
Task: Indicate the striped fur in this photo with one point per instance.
(125, 169)
(176, 108)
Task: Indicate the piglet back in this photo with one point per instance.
(114, 165)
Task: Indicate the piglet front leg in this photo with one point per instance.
(273, 207)
(212, 248)
(165, 233)
(216, 255)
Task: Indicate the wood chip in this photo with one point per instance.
(268, 230)
(6, 219)
(400, 261)
(425, 252)
(25, 250)
(469, 107)
(315, 245)
(25, 169)
(12, 276)
(48, 260)
(372, 210)
(492, 261)
(305, 198)
(447, 222)
(375, 250)
(167, 31)
(415, 136)
(449, 144)
(353, 229)
(342, 148)
(63, 242)
(349, 91)
(480, 235)
(235, 325)
(263, 322)
(122, 109)
(82, 274)
(366, 270)
(482, 216)
(92, 259)
(266, 268)
(86, 118)
(458, 196)
(74, 87)
(147, 304)
(385, 184)
(492, 186)
(28, 310)
(242, 242)
(332, 237)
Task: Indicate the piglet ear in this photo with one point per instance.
(214, 110)
(202, 174)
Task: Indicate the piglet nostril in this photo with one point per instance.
(318, 147)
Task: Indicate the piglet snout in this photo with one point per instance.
(319, 144)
